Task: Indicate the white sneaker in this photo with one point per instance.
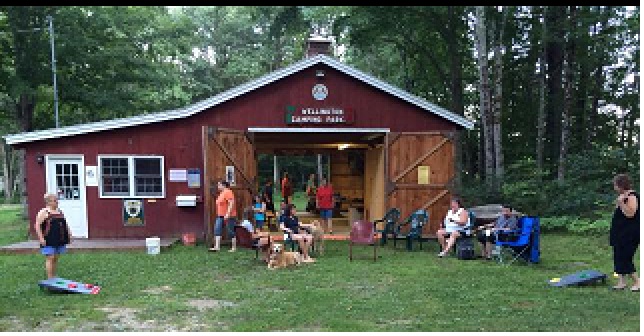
(441, 254)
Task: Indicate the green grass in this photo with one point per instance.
(299, 199)
(13, 228)
(402, 291)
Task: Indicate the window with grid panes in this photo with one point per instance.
(147, 177)
(115, 179)
(131, 176)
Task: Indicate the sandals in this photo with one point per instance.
(618, 287)
(635, 289)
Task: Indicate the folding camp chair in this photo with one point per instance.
(521, 244)
(245, 240)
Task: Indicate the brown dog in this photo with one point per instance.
(281, 259)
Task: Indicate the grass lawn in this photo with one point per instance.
(299, 199)
(190, 289)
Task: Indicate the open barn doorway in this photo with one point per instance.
(351, 161)
(299, 169)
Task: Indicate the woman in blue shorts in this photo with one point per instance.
(53, 233)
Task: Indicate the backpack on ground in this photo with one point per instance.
(465, 248)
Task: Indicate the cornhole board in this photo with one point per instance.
(60, 285)
(581, 278)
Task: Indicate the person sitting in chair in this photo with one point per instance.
(456, 219)
(290, 225)
(260, 239)
(499, 229)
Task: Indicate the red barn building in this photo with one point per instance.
(155, 174)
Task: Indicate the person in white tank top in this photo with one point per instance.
(456, 219)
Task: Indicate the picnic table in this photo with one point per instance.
(486, 214)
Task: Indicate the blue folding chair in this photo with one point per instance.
(522, 244)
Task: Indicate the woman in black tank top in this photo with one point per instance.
(625, 232)
(53, 233)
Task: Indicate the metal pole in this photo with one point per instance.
(53, 66)
(320, 176)
(276, 173)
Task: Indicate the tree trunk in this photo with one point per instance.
(25, 111)
(7, 171)
(600, 35)
(21, 178)
(566, 111)
(555, 19)
(541, 116)
(456, 89)
(498, 103)
(484, 92)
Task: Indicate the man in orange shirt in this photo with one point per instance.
(226, 212)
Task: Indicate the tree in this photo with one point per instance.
(485, 93)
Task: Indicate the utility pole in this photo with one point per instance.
(53, 66)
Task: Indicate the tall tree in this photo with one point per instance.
(485, 93)
(569, 62)
(498, 98)
(541, 117)
(555, 20)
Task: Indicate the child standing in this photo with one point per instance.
(259, 208)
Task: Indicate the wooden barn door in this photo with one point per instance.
(419, 174)
(223, 149)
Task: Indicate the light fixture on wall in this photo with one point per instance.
(40, 159)
(319, 74)
(343, 146)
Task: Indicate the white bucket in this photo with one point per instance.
(153, 245)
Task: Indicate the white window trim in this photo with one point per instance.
(130, 162)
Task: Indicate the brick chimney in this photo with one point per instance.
(318, 45)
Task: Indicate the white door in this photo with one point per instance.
(66, 178)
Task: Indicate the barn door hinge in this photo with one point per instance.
(213, 188)
(450, 135)
(389, 187)
(211, 132)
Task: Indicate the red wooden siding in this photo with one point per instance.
(179, 141)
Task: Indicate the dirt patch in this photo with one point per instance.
(203, 304)
(575, 264)
(124, 319)
(11, 323)
(157, 290)
(523, 304)
(219, 277)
